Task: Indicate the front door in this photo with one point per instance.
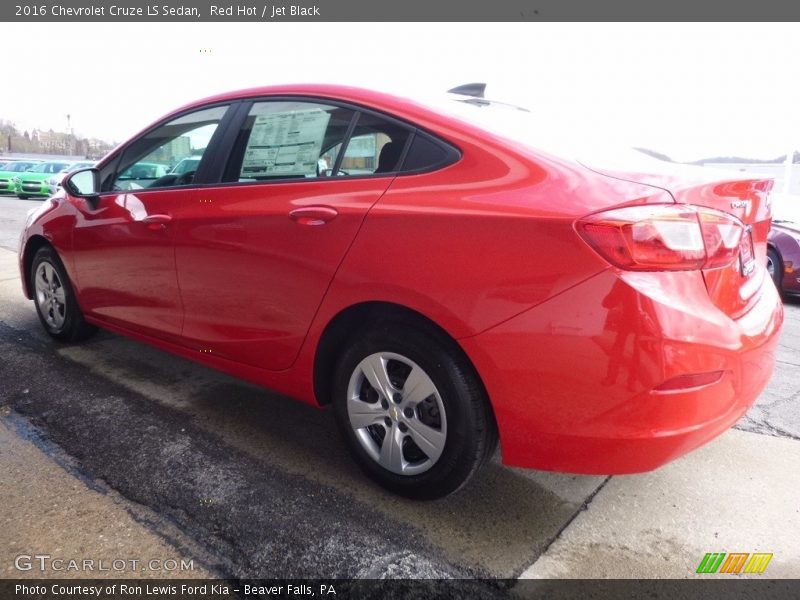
(125, 261)
(123, 241)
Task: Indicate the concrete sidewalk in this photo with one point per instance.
(740, 493)
(48, 511)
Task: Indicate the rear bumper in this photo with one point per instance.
(572, 381)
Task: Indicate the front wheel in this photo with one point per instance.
(55, 300)
(23, 196)
(413, 412)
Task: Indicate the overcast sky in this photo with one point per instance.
(690, 91)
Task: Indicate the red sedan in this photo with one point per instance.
(430, 272)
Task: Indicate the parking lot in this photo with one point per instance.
(112, 448)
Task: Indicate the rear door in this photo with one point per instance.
(255, 254)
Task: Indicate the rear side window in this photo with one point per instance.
(376, 147)
(288, 140)
(304, 139)
(426, 154)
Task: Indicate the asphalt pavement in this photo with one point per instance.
(169, 460)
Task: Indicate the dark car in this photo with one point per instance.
(783, 245)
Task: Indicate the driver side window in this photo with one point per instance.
(169, 155)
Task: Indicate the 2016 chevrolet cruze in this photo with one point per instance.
(427, 270)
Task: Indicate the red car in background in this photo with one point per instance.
(428, 270)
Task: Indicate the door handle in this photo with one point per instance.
(313, 215)
(156, 221)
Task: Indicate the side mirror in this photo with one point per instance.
(83, 184)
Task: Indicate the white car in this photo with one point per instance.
(55, 181)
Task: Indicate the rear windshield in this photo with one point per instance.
(530, 129)
(514, 123)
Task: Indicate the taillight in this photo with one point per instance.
(672, 237)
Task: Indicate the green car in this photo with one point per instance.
(36, 180)
(12, 169)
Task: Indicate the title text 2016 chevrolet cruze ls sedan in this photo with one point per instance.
(429, 272)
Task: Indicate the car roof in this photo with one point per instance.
(333, 92)
(413, 110)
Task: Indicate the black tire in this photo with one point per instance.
(23, 196)
(70, 325)
(471, 434)
(777, 267)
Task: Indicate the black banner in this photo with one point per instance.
(390, 589)
(407, 10)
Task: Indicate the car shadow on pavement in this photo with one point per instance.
(499, 524)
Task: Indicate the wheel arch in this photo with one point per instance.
(347, 323)
(772, 247)
(32, 246)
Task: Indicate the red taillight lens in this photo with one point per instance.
(722, 235)
(663, 237)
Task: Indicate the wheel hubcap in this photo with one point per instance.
(50, 295)
(396, 413)
(770, 267)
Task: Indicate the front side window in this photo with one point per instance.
(169, 155)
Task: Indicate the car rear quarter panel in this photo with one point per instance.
(479, 241)
(474, 244)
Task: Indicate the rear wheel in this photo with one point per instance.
(414, 414)
(23, 196)
(774, 267)
(55, 300)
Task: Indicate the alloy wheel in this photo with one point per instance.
(50, 296)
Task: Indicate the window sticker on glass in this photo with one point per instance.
(285, 144)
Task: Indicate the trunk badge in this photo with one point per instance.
(745, 204)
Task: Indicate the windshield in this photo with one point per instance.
(73, 167)
(47, 168)
(19, 167)
(186, 165)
